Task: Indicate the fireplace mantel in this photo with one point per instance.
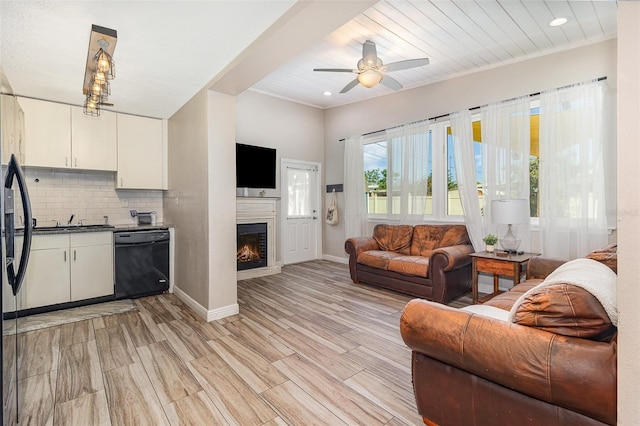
(259, 210)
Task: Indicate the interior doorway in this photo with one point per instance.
(300, 211)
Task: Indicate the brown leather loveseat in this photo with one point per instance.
(549, 360)
(429, 261)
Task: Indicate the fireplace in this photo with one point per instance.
(251, 249)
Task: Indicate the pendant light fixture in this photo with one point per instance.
(99, 70)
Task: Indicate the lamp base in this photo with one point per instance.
(509, 242)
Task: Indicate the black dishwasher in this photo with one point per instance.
(141, 263)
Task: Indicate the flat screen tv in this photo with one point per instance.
(255, 167)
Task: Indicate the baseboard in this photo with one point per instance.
(336, 259)
(202, 312)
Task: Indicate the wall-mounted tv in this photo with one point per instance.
(255, 167)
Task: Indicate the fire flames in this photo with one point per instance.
(247, 254)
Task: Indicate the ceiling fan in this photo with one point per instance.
(372, 71)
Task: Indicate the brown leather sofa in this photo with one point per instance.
(429, 261)
(555, 365)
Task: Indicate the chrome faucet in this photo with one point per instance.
(71, 218)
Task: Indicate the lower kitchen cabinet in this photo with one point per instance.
(47, 278)
(91, 265)
(69, 267)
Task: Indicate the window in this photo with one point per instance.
(375, 174)
(398, 174)
(442, 201)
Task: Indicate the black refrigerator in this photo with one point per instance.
(14, 207)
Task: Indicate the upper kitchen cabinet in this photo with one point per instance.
(12, 129)
(61, 136)
(141, 153)
(47, 136)
(93, 140)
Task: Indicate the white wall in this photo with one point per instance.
(186, 202)
(295, 130)
(221, 198)
(517, 79)
(628, 212)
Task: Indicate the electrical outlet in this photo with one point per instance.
(177, 201)
(125, 202)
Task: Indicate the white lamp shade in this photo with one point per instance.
(369, 78)
(508, 212)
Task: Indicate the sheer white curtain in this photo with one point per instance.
(572, 186)
(354, 189)
(505, 166)
(408, 171)
(464, 156)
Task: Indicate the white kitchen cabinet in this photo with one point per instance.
(47, 138)
(93, 140)
(141, 153)
(47, 278)
(62, 136)
(69, 267)
(91, 265)
(12, 126)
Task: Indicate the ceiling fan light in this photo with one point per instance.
(369, 78)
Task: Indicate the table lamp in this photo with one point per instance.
(510, 212)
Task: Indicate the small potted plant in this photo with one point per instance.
(490, 241)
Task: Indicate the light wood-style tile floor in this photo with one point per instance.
(307, 348)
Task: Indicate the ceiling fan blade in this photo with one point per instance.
(105, 104)
(369, 53)
(349, 86)
(404, 65)
(391, 83)
(335, 70)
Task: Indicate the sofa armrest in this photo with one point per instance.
(565, 371)
(355, 246)
(450, 258)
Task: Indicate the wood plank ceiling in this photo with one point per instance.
(458, 37)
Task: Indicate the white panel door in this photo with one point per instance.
(300, 211)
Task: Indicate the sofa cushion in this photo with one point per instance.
(427, 238)
(377, 258)
(567, 310)
(393, 237)
(578, 299)
(507, 299)
(410, 265)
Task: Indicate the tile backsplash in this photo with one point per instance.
(56, 195)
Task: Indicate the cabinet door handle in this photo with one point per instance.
(75, 161)
(65, 255)
(121, 184)
(74, 255)
(66, 161)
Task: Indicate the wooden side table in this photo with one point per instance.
(512, 266)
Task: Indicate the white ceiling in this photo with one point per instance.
(168, 50)
(458, 37)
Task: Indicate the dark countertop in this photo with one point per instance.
(95, 228)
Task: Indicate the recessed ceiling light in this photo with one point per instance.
(557, 22)
(327, 93)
